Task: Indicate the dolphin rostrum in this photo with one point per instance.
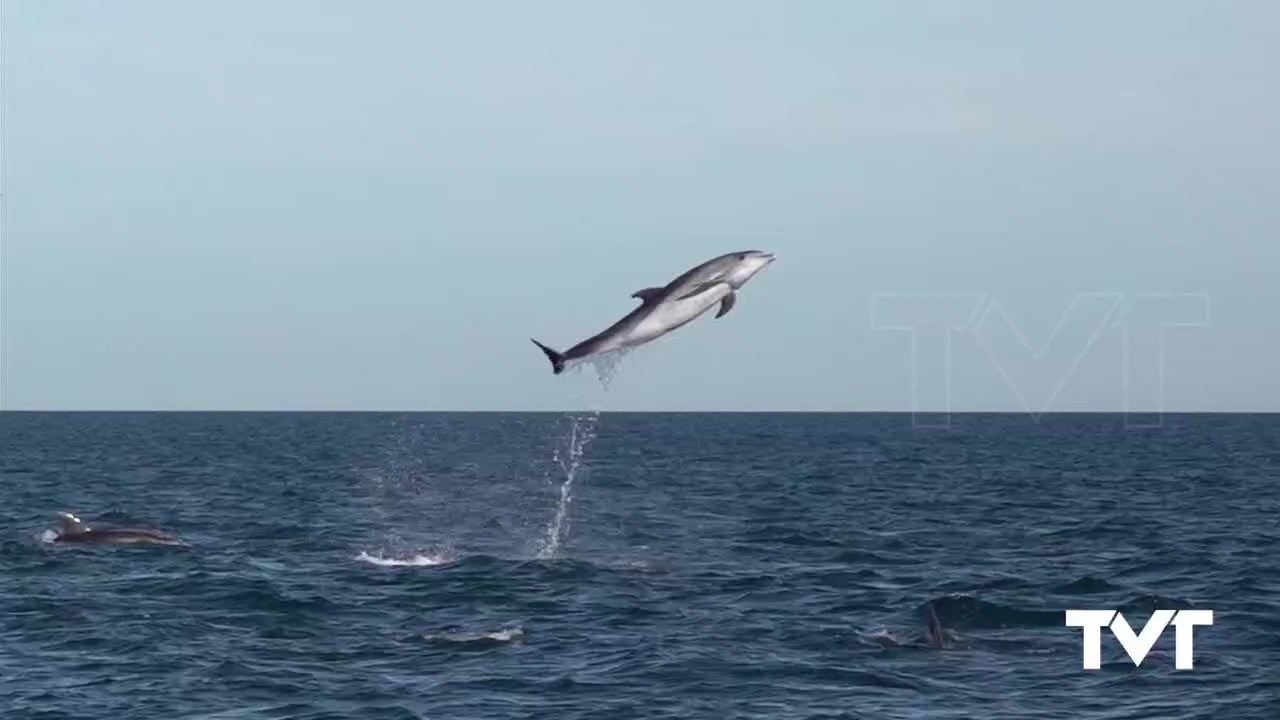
(73, 530)
(663, 309)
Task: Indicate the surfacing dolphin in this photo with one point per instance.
(663, 309)
(73, 530)
(935, 636)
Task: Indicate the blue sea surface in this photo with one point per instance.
(635, 565)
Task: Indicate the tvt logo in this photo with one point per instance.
(1138, 645)
(1037, 362)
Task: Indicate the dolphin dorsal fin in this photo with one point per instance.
(71, 524)
(647, 294)
(937, 637)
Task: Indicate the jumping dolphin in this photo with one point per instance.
(663, 309)
(75, 531)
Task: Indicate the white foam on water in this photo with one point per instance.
(882, 637)
(48, 536)
(504, 635)
(417, 560)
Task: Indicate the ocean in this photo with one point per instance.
(583, 565)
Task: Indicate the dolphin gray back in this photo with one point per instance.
(74, 530)
(712, 270)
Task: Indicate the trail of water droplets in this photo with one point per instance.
(606, 367)
(582, 430)
(605, 364)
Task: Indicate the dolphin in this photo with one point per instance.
(663, 309)
(73, 530)
(935, 636)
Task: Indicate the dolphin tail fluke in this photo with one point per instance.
(557, 359)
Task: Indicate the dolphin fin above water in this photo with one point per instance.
(727, 304)
(936, 634)
(71, 524)
(647, 294)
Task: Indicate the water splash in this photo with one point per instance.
(506, 634)
(582, 431)
(606, 366)
(416, 560)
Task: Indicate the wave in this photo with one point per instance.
(964, 610)
(1085, 585)
(1150, 602)
(787, 535)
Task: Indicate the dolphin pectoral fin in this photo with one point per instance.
(647, 294)
(727, 304)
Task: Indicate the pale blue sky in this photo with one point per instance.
(322, 205)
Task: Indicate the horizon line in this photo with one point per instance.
(624, 412)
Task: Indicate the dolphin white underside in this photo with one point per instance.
(664, 318)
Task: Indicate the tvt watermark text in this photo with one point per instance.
(1138, 645)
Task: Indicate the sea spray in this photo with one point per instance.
(605, 364)
(414, 560)
(606, 367)
(582, 430)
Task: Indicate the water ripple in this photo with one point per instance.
(659, 566)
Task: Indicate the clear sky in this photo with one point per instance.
(336, 205)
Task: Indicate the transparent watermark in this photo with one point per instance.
(1037, 376)
(1137, 645)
